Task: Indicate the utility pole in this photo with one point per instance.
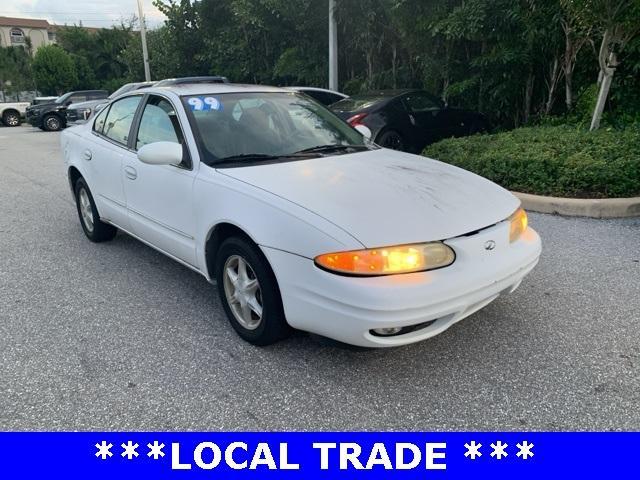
(333, 47)
(143, 36)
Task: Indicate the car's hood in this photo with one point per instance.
(384, 197)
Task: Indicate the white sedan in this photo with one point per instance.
(300, 220)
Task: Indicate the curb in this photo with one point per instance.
(581, 207)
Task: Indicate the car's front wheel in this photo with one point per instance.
(11, 118)
(249, 292)
(52, 123)
(95, 229)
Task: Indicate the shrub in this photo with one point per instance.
(560, 161)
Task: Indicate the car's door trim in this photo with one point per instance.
(149, 244)
(163, 225)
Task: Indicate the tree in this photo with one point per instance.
(619, 22)
(54, 70)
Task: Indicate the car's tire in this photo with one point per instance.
(11, 118)
(249, 292)
(95, 229)
(391, 139)
(52, 123)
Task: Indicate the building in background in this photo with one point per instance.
(15, 31)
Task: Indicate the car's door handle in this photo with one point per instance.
(87, 154)
(130, 172)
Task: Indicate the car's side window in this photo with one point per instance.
(418, 102)
(119, 119)
(78, 98)
(158, 123)
(98, 124)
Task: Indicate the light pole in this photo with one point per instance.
(143, 36)
(333, 47)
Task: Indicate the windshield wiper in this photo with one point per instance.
(258, 156)
(332, 148)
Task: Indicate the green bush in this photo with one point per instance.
(559, 161)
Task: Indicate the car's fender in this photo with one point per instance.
(269, 220)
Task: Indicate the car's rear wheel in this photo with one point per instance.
(249, 292)
(95, 229)
(11, 118)
(391, 139)
(52, 123)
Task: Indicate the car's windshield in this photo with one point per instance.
(63, 98)
(247, 126)
(356, 103)
(123, 89)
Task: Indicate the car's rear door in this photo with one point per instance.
(159, 197)
(104, 156)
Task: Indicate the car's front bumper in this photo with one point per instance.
(349, 308)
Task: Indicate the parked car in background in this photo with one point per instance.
(80, 112)
(184, 80)
(11, 113)
(408, 119)
(322, 95)
(41, 100)
(301, 221)
(53, 116)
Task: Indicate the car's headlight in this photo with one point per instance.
(388, 260)
(519, 222)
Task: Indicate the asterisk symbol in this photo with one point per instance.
(499, 449)
(129, 450)
(473, 450)
(104, 450)
(155, 450)
(524, 450)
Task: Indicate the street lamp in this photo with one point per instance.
(333, 47)
(143, 36)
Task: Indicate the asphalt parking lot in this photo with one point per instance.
(117, 336)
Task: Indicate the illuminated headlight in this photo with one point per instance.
(519, 222)
(388, 260)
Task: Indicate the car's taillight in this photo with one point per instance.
(356, 119)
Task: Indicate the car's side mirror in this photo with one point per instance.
(67, 103)
(161, 153)
(364, 131)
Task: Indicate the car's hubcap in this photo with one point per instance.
(242, 289)
(12, 120)
(52, 123)
(86, 210)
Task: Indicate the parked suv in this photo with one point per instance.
(53, 116)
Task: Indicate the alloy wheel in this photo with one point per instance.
(12, 120)
(242, 292)
(53, 123)
(85, 209)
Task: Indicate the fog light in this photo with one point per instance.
(387, 332)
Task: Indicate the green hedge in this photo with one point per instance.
(558, 160)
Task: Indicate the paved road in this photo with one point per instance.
(116, 336)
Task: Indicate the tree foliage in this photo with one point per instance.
(54, 70)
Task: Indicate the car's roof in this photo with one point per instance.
(188, 89)
(314, 89)
(385, 93)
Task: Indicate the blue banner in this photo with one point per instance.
(319, 455)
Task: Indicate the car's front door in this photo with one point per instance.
(104, 157)
(424, 114)
(159, 197)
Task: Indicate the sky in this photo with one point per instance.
(92, 13)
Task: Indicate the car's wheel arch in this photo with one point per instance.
(9, 111)
(218, 234)
(74, 174)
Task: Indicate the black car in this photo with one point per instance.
(408, 119)
(53, 116)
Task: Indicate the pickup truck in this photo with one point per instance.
(11, 114)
